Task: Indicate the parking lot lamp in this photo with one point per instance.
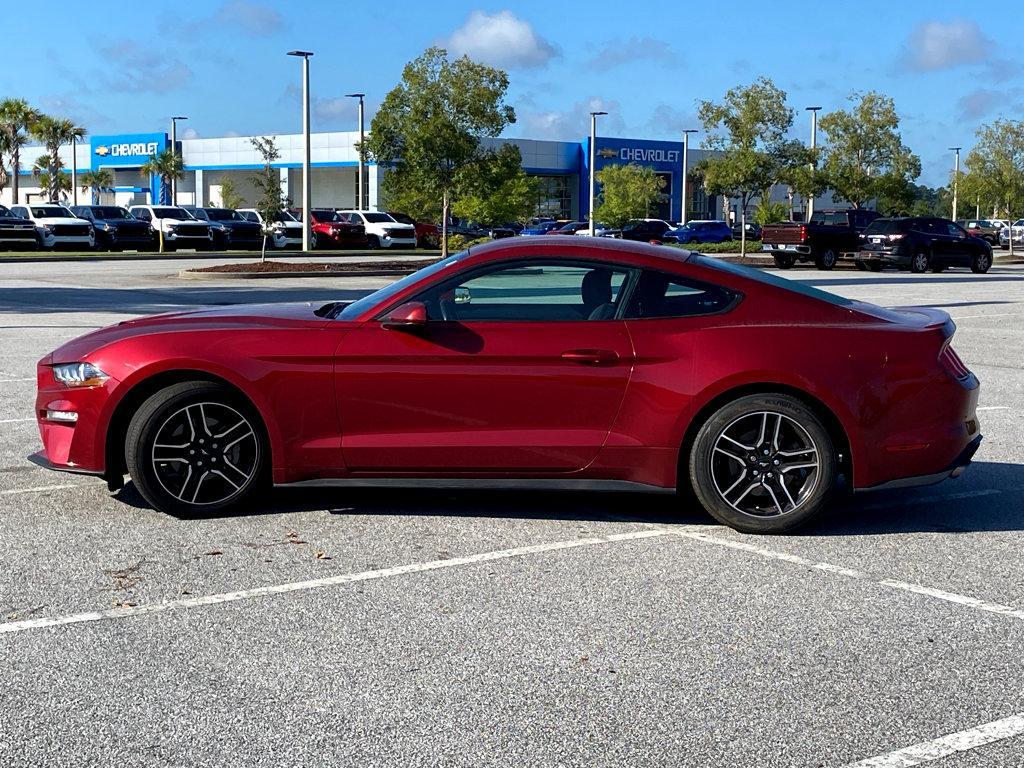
(686, 170)
(593, 141)
(74, 166)
(956, 178)
(174, 149)
(360, 203)
(307, 186)
(814, 145)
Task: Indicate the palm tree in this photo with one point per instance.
(52, 183)
(167, 165)
(97, 182)
(16, 117)
(52, 132)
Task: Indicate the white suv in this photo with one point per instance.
(382, 231)
(287, 230)
(57, 226)
(180, 228)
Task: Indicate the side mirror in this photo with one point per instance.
(410, 316)
(462, 295)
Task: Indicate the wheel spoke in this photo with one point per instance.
(796, 466)
(239, 439)
(764, 428)
(797, 452)
(775, 499)
(231, 429)
(170, 452)
(785, 489)
(737, 443)
(720, 450)
(202, 415)
(750, 487)
(735, 483)
(233, 474)
(778, 429)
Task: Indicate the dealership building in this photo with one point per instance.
(561, 168)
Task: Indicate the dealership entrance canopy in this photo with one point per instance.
(562, 169)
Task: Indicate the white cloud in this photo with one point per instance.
(617, 53)
(501, 39)
(574, 123)
(255, 18)
(143, 69)
(936, 45)
(190, 133)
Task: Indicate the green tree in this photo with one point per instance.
(769, 212)
(52, 133)
(270, 199)
(798, 169)
(627, 192)
(16, 121)
(748, 128)
(995, 168)
(494, 189)
(54, 182)
(169, 166)
(429, 127)
(865, 158)
(229, 197)
(96, 181)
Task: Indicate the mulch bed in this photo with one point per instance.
(349, 267)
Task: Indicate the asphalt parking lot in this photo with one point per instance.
(384, 627)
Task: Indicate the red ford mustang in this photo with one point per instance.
(531, 362)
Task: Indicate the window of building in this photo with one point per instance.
(555, 196)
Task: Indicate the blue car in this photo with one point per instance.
(543, 228)
(699, 231)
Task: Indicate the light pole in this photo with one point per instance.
(360, 202)
(686, 170)
(74, 167)
(814, 145)
(956, 178)
(593, 141)
(307, 186)
(174, 149)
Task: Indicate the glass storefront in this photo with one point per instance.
(555, 196)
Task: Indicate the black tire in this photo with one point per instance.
(372, 242)
(759, 505)
(314, 241)
(233, 470)
(861, 265)
(875, 266)
(920, 262)
(784, 261)
(980, 263)
(826, 259)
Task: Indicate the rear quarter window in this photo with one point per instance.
(761, 276)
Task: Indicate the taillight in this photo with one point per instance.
(953, 365)
(803, 232)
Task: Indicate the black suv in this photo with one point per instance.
(645, 229)
(921, 243)
(116, 229)
(17, 233)
(230, 228)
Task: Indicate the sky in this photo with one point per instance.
(125, 69)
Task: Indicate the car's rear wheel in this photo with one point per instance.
(784, 261)
(314, 241)
(372, 242)
(919, 262)
(763, 464)
(826, 259)
(980, 263)
(196, 448)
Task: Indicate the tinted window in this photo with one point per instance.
(221, 214)
(529, 291)
(953, 230)
(20, 211)
(761, 276)
(142, 213)
(660, 295)
(376, 218)
(109, 212)
(886, 227)
(4, 211)
(51, 212)
(171, 212)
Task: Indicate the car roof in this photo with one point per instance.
(590, 248)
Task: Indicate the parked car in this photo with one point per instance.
(570, 228)
(1018, 234)
(699, 231)
(230, 229)
(753, 231)
(824, 239)
(56, 226)
(116, 229)
(17, 232)
(644, 230)
(382, 231)
(286, 230)
(329, 229)
(982, 228)
(541, 228)
(922, 243)
(418, 381)
(601, 230)
(428, 234)
(179, 228)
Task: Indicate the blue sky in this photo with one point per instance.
(118, 68)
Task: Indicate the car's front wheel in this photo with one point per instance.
(919, 262)
(826, 259)
(196, 448)
(980, 263)
(763, 464)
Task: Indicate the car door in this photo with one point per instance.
(960, 248)
(521, 367)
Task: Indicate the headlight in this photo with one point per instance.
(79, 375)
(172, 228)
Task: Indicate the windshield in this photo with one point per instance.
(326, 216)
(171, 212)
(52, 212)
(286, 216)
(772, 280)
(376, 218)
(403, 218)
(5, 211)
(885, 227)
(110, 212)
(354, 310)
(223, 215)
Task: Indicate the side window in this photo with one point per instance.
(955, 230)
(143, 214)
(661, 295)
(530, 291)
(20, 211)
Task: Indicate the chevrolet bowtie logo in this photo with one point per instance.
(102, 150)
(608, 153)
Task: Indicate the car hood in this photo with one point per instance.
(288, 315)
(60, 220)
(15, 220)
(119, 222)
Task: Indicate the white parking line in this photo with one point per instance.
(19, 379)
(933, 750)
(993, 408)
(11, 421)
(340, 579)
(36, 489)
(942, 595)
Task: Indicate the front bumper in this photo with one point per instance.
(77, 446)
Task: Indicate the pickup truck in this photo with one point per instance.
(823, 239)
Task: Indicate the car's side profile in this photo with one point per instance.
(921, 244)
(550, 362)
(699, 231)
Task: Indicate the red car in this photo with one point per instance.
(330, 229)
(428, 235)
(550, 362)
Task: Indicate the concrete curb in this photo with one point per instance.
(149, 256)
(190, 275)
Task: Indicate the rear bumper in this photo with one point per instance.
(786, 248)
(954, 470)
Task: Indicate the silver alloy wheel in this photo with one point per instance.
(205, 453)
(765, 464)
(920, 261)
